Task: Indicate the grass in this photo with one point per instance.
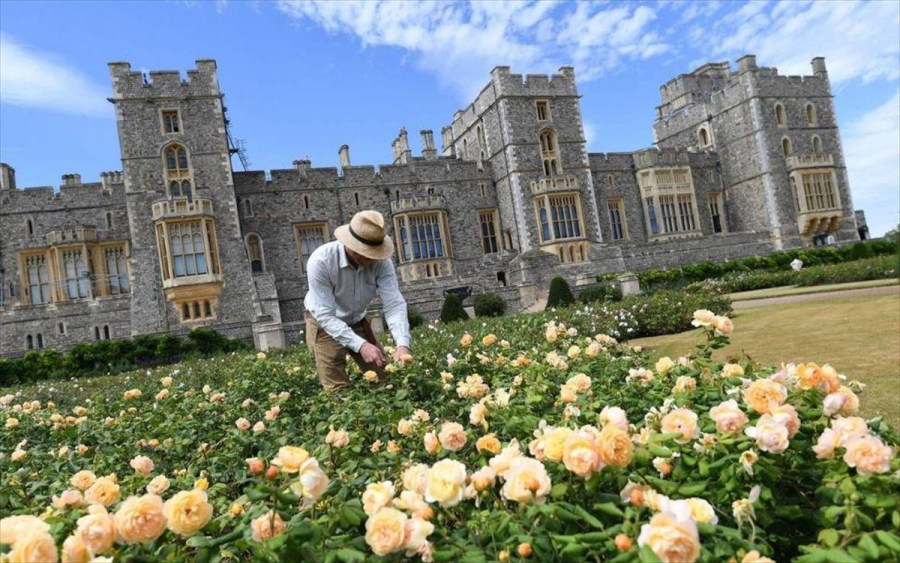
(784, 291)
(858, 335)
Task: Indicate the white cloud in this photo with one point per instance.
(872, 152)
(33, 79)
(859, 40)
(461, 42)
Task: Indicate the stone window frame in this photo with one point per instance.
(704, 129)
(29, 226)
(298, 227)
(248, 207)
(166, 256)
(610, 181)
(178, 174)
(817, 145)
(619, 204)
(261, 254)
(716, 209)
(652, 189)
(812, 116)
(542, 110)
(549, 153)
(197, 310)
(61, 328)
(103, 274)
(179, 125)
(482, 140)
(825, 190)
(545, 198)
(490, 217)
(443, 224)
(780, 115)
(787, 147)
(109, 220)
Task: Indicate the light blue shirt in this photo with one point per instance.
(339, 295)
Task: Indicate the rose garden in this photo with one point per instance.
(538, 437)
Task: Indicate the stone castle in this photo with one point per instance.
(745, 162)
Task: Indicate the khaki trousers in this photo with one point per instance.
(331, 357)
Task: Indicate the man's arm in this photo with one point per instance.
(393, 302)
(324, 307)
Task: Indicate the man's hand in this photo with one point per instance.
(372, 354)
(400, 353)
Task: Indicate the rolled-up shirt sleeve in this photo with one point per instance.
(393, 302)
(323, 309)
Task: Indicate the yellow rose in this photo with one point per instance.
(702, 511)
(580, 455)
(446, 483)
(267, 526)
(682, 421)
(83, 479)
(74, 550)
(12, 422)
(466, 340)
(14, 527)
(489, 340)
(704, 318)
(104, 491)
(502, 461)
(763, 395)
(614, 416)
(452, 436)
(34, 547)
(483, 478)
(143, 465)
(555, 443)
(614, 446)
(415, 478)
(290, 458)
(337, 438)
(158, 485)
(188, 512)
(673, 540)
(488, 443)
(97, 529)
(166, 381)
(732, 370)
(201, 484)
(377, 496)
(140, 519)
(386, 531)
(755, 557)
(664, 364)
(868, 455)
(311, 481)
(526, 481)
(370, 376)
(684, 384)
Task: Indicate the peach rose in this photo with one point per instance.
(614, 446)
(489, 340)
(69, 497)
(555, 442)
(377, 496)
(311, 481)
(613, 416)
(732, 370)
(723, 325)
(83, 479)
(466, 340)
(415, 504)
(684, 384)
(14, 527)
(488, 443)
(843, 401)
(704, 318)
(771, 433)
(188, 512)
(755, 557)
(337, 438)
(142, 465)
(386, 531)
(849, 427)
(415, 478)
(673, 538)
(446, 483)
(370, 376)
(580, 455)
(702, 511)
(483, 479)
(728, 416)
(793, 419)
(97, 529)
(140, 519)
(432, 444)
(166, 381)
(664, 364)
(503, 461)
(579, 382)
(254, 465)
(526, 481)
(763, 395)
(682, 421)
(104, 491)
(34, 547)
(811, 376)
(868, 455)
(158, 485)
(828, 441)
(267, 526)
(477, 415)
(74, 550)
(290, 458)
(242, 424)
(405, 426)
(259, 427)
(415, 537)
(452, 436)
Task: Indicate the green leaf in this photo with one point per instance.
(868, 544)
(609, 508)
(350, 555)
(829, 537)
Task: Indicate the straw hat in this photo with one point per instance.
(365, 235)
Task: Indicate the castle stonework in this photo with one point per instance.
(746, 162)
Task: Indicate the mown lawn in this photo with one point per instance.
(798, 290)
(858, 335)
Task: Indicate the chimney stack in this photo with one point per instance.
(447, 148)
(428, 150)
(747, 62)
(7, 177)
(818, 66)
(302, 166)
(71, 179)
(344, 153)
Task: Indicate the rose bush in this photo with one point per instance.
(529, 437)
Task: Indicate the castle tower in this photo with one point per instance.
(189, 263)
(530, 130)
(778, 144)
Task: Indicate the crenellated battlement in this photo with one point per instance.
(127, 84)
(611, 160)
(508, 84)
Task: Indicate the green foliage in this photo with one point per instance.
(560, 293)
(452, 310)
(415, 318)
(115, 356)
(489, 305)
(670, 312)
(600, 292)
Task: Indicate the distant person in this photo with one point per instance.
(343, 277)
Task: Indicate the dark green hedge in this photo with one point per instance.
(671, 311)
(114, 356)
(489, 305)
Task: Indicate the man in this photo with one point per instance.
(343, 277)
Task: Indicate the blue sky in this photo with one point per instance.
(303, 78)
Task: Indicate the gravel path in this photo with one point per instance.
(887, 290)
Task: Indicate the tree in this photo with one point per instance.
(560, 293)
(453, 309)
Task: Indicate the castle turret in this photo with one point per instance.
(818, 67)
(7, 177)
(344, 154)
(745, 63)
